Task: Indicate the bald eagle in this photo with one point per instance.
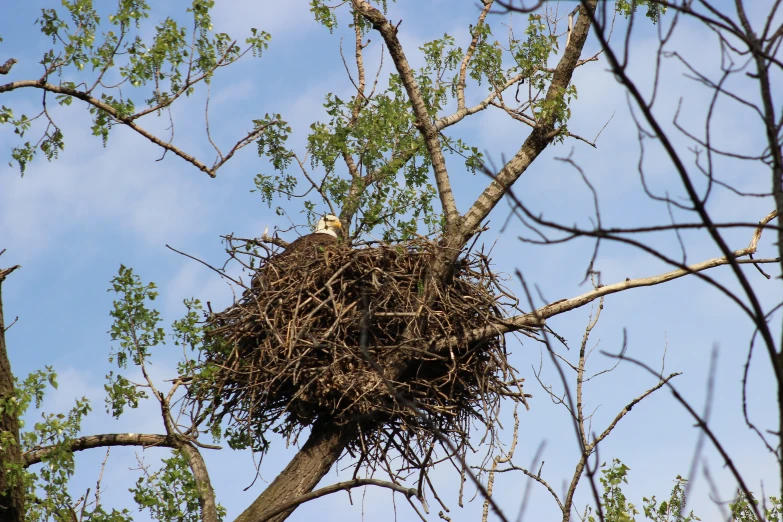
(325, 235)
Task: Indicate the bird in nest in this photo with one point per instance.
(326, 234)
(309, 247)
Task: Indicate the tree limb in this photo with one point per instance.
(343, 486)
(6, 67)
(129, 121)
(12, 490)
(311, 463)
(541, 136)
(195, 460)
(206, 494)
(539, 317)
(99, 441)
(424, 121)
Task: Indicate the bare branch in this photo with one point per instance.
(6, 67)
(538, 318)
(701, 424)
(196, 462)
(698, 205)
(664, 381)
(5, 272)
(343, 486)
(129, 121)
(102, 441)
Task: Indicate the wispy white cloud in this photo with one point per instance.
(281, 19)
(95, 191)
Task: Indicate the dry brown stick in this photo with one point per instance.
(500, 459)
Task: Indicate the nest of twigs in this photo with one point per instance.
(345, 336)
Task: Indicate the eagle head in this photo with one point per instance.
(328, 224)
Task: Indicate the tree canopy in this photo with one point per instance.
(585, 150)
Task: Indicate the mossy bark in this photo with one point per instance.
(12, 494)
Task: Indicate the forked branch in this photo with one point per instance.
(424, 120)
(542, 135)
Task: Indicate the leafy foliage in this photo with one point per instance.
(171, 492)
(671, 510)
(654, 8)
(741, 510)
(616, 508)
(112, 59)
(368, 157)
(137, 329)
(47, 487)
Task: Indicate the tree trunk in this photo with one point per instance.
(12, 495)
(306, 469)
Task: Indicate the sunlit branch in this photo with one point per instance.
(101, 441)
(538, 318)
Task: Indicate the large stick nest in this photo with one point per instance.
(322, 335)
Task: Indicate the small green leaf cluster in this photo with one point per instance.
(51, 479)
(137, 329)
(31, 389)
(21, 124)
(51, 143)
(488, 60)
(325, 13)
(188, 332)
(135, 326)
(171, 492)
(654, 8)
(47, 487)
(77, 39)
(670, 510)
(616, 508)
(272, 144)
(258, 41)
(742, 510)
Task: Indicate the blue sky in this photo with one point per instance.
(71, 223)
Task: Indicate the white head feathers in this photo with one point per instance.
(328, 225)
